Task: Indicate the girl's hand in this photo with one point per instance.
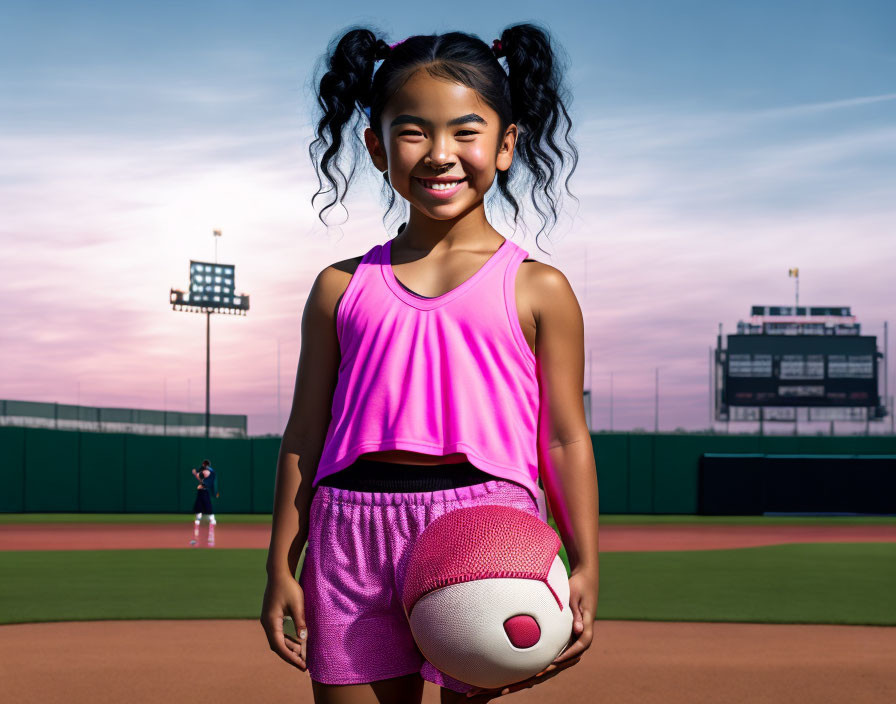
(485, 695)
(284, 597)
(583, 601)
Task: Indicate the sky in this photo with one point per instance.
(720, 144)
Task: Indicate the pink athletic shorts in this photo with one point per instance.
(358, 547)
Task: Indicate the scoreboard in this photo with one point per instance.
(800, 370)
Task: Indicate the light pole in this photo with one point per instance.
(611, 395)
(590, 392)
(656, 407)
(279, 422)
(611, 401)
(795, 273)
(211, 291)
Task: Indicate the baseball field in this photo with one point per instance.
(120, 607)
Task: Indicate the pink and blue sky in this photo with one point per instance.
(721, 143)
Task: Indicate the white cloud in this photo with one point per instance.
(689, 219)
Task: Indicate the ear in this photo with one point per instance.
(505, 149)
(375, 149)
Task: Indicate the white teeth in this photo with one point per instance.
(441, 186)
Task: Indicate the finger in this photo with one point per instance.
(578, 623)
(581, 644)
(547, 673)
(295, 645)
(588, 633)
(572, 651)
(279, 643)
(482, 695)
(296, 651)
(536, 679)
(552, 669)
(297, 608)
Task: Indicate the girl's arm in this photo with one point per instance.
(566, 456)
(309, 419)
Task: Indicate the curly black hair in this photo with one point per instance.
(529, 93)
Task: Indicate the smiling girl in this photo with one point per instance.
(441, 369)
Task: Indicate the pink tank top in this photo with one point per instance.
(438, 375)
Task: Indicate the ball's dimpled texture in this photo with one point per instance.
(478, 542)
(487, 595)
(461, 628)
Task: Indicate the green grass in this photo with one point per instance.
(76, 585)
(836, 583)
(840, 583)
(606, 519)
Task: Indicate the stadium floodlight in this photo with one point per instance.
(212, 290)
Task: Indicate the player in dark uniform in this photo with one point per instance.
(208, 483)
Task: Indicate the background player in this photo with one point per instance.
(208, 482)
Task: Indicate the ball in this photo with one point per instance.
(487, 595)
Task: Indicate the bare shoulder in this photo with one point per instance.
(546, 289)
(331, 283)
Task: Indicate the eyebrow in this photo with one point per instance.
(462, 120)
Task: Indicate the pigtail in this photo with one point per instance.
(527, 92)
(538, 101)
(343, 90)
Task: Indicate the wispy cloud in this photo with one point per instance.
(110, 183)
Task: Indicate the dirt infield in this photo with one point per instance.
(613, 538)
(630, 662)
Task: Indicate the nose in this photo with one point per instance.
(438, 155)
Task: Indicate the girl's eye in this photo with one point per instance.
(417, 134)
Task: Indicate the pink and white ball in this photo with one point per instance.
(487, 596)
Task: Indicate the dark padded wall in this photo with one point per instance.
(151, 474)
(777, 483)
(101, 472)
(51, 470)
(265, 452)
(12, 470)
(730, 484)
(57, 470)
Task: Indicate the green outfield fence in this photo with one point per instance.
(45, 470)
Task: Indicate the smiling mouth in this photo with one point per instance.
(441, 188)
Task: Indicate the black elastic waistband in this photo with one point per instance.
(373, 475)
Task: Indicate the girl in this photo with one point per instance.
(436, 371)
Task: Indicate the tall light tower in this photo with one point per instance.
(211, 291)
(795, 273)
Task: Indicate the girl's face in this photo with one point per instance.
(436, 128)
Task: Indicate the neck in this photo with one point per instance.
(469, 230)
